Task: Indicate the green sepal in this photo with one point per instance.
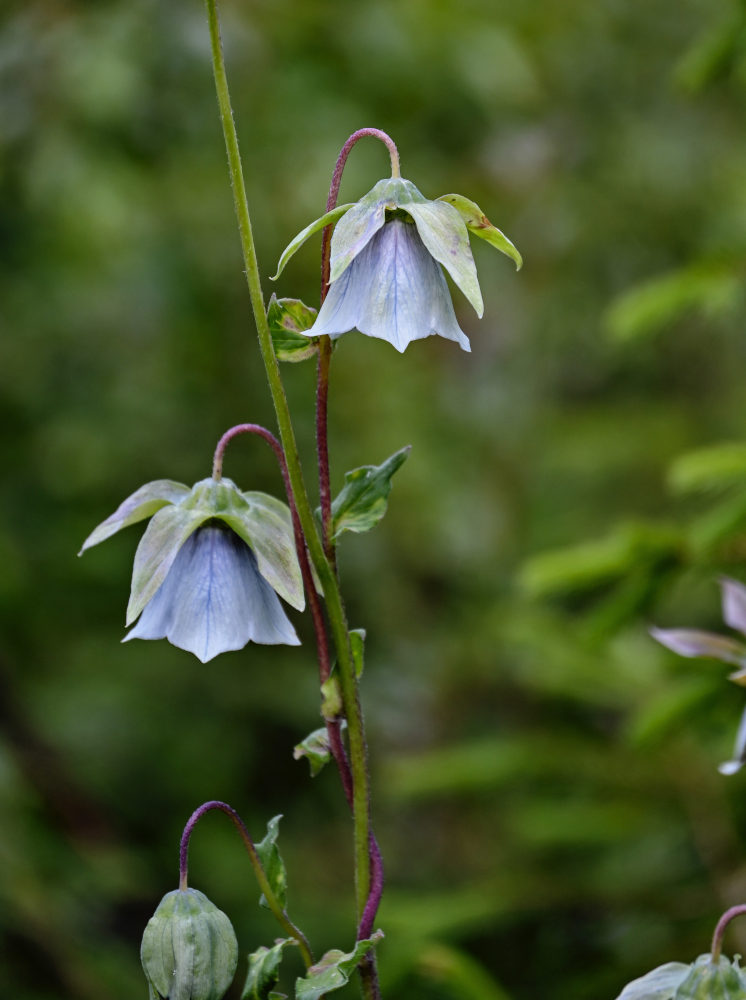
(478, 224)
(660, 984)
(446, 238)
(362, 501)
(272, 863)
(297, 242)
(287, 319)
(333, 971)
(267, 528)
(331, 698)
(263, 974)
(143, 503)
(262, 521)
(167, 531)
(315, 748)
(707, 980)
(439, 226)
(189, 949)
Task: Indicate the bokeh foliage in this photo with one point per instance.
(546, 792)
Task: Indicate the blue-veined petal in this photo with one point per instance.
(214, 599)
(392, 290)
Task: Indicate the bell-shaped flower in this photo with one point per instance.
(388, 252)
(695, 642)
(209, 566)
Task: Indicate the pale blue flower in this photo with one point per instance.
(209, 567)
(393, 290)
(214, 599)
(388, 252)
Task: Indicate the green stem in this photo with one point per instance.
(327, 577)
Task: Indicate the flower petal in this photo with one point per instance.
(693, 642)
(393, 290)
(143, 503)
(734, 604)
(214, 599)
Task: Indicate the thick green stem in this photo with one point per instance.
(327, 577)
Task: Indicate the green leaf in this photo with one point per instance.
(331, 698)
(272, 863)
(263, 974)
(297, 242)
(717, 467)
(660, 984)
(334, 970)
(714, 288)
(478, 224)
(357, 644)
(363, 499)
(143, 503)
(287, 319)
(315, 748)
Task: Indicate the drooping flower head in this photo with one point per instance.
(209, 567)
(388, 252)
(695, 642)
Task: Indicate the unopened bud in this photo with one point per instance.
(189, 949)
(708, 980)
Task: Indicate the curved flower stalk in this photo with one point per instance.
(209, 567)
(696, 642)
(388, 252)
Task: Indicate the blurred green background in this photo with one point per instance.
(545, 783)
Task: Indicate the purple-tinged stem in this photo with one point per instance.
(717, 937)
(325, 346)
(333, 730)
(274, 904)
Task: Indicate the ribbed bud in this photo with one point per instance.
(189, 949)
(709, 981)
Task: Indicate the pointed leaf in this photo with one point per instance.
(164, 536)
(263, 974)
(265, 525)
(363, 499)
(315, 748)
(693, 642)
(272, 863)
(288, 319)
(478, 224)
(660, 984)
(444, 234)
(331, 698)
(143, 503)
(334, 970)
(297, 242)
(357, 644)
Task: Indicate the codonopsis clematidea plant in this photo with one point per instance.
(217, 564)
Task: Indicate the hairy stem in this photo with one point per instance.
(274, 904)
(325, 571)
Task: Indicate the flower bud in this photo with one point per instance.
(707, 980)
(189, 949)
